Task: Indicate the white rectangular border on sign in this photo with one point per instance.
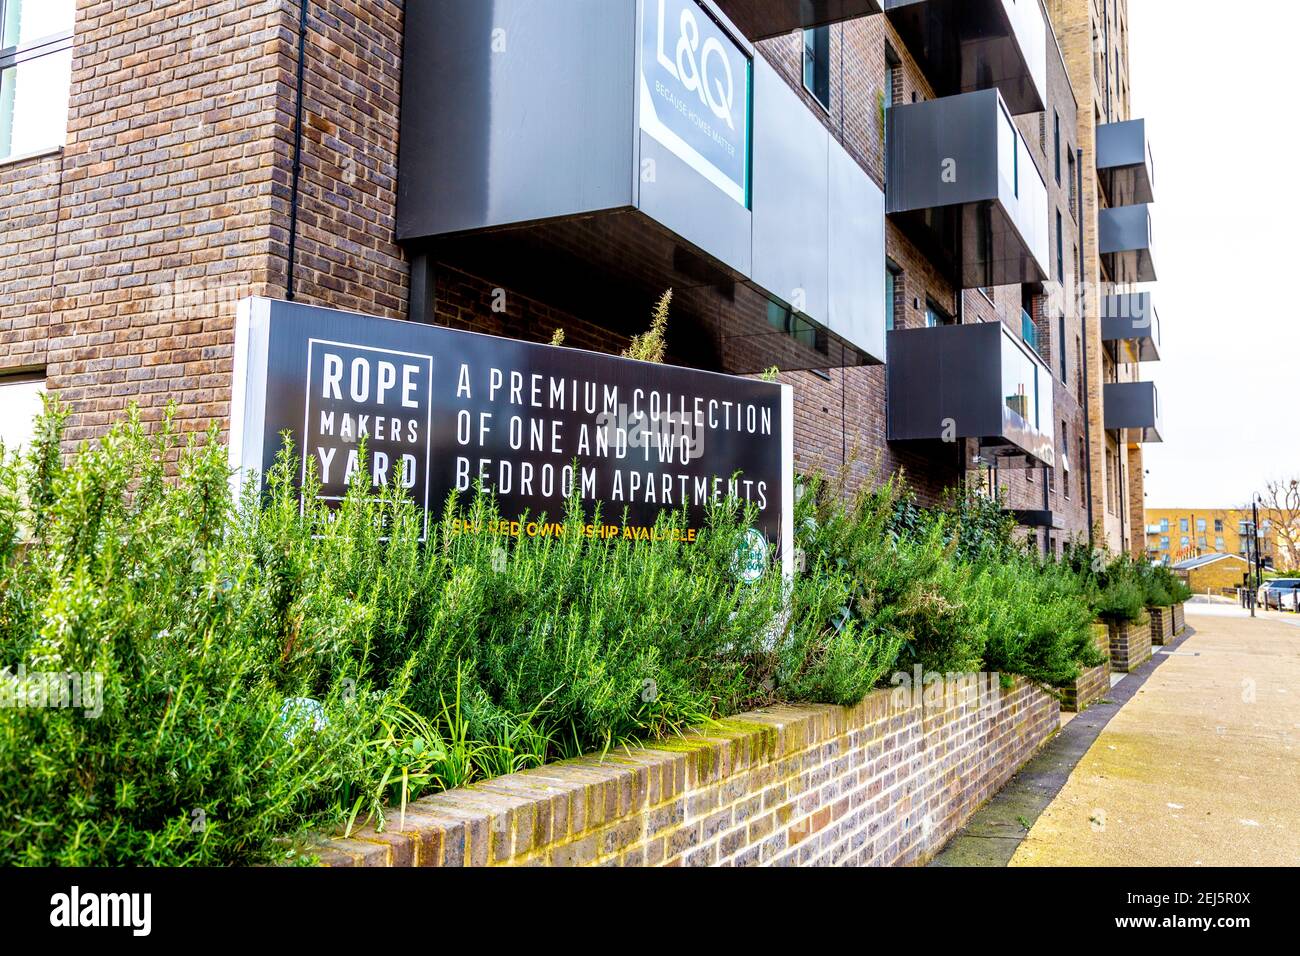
(428, 426)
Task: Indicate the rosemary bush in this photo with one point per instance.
(269, 667)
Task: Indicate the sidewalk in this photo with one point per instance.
(1200, 767)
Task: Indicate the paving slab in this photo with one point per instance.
(995, 832)
(1200, 767)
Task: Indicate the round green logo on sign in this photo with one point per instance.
(750, 560)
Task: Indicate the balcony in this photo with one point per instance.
(1131, 322)
(760, 19)
(967, 45)
(1134, 409)
(1125, 243)
(963, 186)
(587, 171)
(976, 381)
(1124, 163)
(1028, 330)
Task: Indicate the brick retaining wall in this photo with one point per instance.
(1162, 625)
(1130, 644)
(1093, 682)
(886, 782)
(1179, 622)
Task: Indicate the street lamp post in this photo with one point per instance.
(1254, 533)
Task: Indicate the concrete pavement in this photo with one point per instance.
(1200, 767)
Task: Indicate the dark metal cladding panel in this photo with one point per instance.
(1133, 407)
(943, 152)
(1124, 235)
(515, 111)
(948, 373)
(966, 45)
(1131, 317)
(1124, 162)
(760, 19)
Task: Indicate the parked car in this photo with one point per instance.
(1279, 593)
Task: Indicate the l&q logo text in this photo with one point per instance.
(701, 69)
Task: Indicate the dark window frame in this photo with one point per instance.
(821, 65)
(1056, 143)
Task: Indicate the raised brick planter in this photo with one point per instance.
(1162, 624)
(1179, 622)
(885, 782)
(1130, 644)
(1092, 683)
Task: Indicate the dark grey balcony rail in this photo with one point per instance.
(1133, 408)
(977, 380)
(963, 184)
(967, 45)
(1131, 318)
(1125, 243)
(760, 19)
(1124, 163)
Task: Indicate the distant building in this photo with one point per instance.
(1213, 572)
(1177, 534)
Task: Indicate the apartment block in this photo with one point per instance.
(929, 216)
(1117, 177)
(1177, 534)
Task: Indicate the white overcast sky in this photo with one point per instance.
(1215, 83)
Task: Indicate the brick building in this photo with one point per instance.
(217, 149)
(1177, 534)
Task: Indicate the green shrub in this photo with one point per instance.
(271, 667)
(131, 579)
(430, 664)
(1172, 588)
(898, 573)
(1037, 618)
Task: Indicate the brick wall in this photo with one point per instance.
(886, 782)
(1092, 683)
(164, 198)
(1130, 644)
(1162, 624)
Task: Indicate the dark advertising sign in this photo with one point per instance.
(442, 409)
(695, 92)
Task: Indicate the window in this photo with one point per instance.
(1200, 525)
(1164, 542)
(1074, 183)
(1060, 249)
(1065, 459)
(1164, 525)
(817, 64)
(35, 74)
(1218, 543)
(1056, 144)
(20, 403)
(1218, 525)
(1061, 347)
(893, 286)
(935, 316)
(1184, 541)
(1182, 525)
